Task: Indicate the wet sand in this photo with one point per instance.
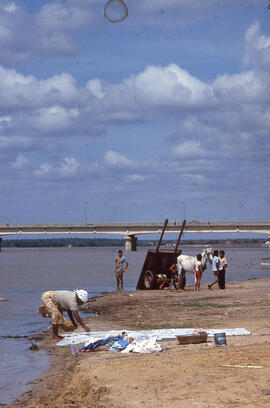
(201, 375)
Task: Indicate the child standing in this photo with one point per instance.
(198, 272)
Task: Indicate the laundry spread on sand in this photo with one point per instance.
(159, 334)
(143, 344)
(124, 344)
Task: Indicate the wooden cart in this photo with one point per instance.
(157, 263)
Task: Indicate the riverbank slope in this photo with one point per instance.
(203, 375)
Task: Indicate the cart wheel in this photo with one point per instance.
(149, 280)
(182, 280)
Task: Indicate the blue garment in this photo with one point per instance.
(102, 342)
(119, 345)
(215, 264)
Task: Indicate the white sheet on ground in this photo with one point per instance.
(159, 334)
(143, 344)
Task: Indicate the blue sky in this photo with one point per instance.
(139, 119)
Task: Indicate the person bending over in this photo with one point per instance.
(58, 301)
(172, 277)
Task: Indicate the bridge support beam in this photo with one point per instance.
(130, 243)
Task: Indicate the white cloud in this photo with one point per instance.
(189, 150)
(95, 87)
(55, 28)
(257, 48)
(135, 178)
(169, 86)
(52, 30)
(223, 125)
(10, 7)
(23, 92)
(54, 118)
(44, 169)
(68, 167)
(118, 160)
(20, 162)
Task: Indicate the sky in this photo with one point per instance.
(165, 114)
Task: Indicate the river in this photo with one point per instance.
(26, 273)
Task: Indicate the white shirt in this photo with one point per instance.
(66, 300)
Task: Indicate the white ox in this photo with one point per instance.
(185, 263)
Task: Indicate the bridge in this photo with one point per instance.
(130, 230)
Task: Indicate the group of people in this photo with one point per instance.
(54, 303)
(219, 265)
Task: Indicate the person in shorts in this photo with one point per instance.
(121, 265)
(198, 272)
(173, 275)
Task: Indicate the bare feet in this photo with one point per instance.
(57, 338)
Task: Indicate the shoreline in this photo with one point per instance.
(163, 246)
(242, 304)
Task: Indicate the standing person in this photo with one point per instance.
(198, 273)
(215, 268)
(223, 266)
(121, 265)
(58, 301)
(173, 274)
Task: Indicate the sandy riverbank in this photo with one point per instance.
(236, 375)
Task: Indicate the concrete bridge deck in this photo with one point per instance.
(130, 230)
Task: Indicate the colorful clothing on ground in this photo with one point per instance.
(117, 343)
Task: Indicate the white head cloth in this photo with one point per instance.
(82, 295)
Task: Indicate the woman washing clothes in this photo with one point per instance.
(54, 303)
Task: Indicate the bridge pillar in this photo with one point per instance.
(130, 243)
(0, 244)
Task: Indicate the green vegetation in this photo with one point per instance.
(107, 242)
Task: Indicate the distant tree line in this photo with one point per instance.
(107, 242)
